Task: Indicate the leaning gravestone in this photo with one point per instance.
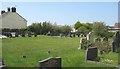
(92, 54)
(50, 63)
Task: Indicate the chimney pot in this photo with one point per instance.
(13, 9)
(8, 9)
(3, 11)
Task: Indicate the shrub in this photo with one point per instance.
(103, 46)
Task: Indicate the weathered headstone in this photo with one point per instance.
(74, 35)
(83, 42)
(90, 36)
(13, 34)
(29, 34)
(116, 41)
(16, 34)
(113, 47)
(50, 63)
(61, 35)
(71, 35)
(92, 54)
(97, 39)
(105, 39)
(81, 35)
(78, 35)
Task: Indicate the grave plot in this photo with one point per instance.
(49, 63)
(92, 54)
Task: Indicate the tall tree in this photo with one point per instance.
(82, 30)
(77, 25)
(99, 29)
(66, 29)
(89, 26)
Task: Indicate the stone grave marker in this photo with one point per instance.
(13, 34)
(105, 39)
(113, 47)
(97, 39)
(90, 36)
(92, 54)
(116, 41)
(50, 63)
(81, 35)
(83, 42)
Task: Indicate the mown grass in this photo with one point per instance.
(1, 47)
(36, 48)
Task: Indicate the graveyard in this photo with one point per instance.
(59, 35)
(28, 51)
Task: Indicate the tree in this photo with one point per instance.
(45, 27)
(77, 25)
(35, 27)
(66, 29)
(40, 28)
(100, 29)
(82, 30)
(89, 26)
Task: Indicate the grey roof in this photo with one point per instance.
(7, 13)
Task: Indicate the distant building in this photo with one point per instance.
(116, 27)
(73, 30)
(11, 19)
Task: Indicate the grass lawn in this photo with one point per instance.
(0, 47)
(36, 48)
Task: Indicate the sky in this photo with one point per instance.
(59, 0)
(66, 12)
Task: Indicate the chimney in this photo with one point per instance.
(3, 11)
(13, 9)
(8, 9)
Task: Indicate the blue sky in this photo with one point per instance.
(66, 12)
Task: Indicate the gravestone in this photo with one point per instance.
(74, 35)
(71, 35)
(16, 34)
(116, 41)
(61, 35)
(92, 54)
(97, 39)
(113, 47)
(90, 36)
(50, 63)
(29, 34)
(105, 39)
(83, 43)
(13, 34)
(81, 35)
(78, 35)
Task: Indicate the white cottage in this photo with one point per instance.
(11, 19)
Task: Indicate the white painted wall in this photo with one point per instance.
(13, 20)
